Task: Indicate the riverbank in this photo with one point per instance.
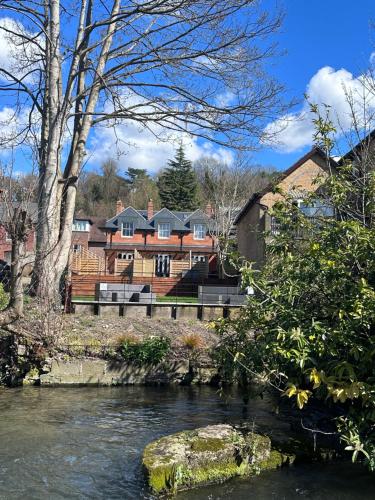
(119, 351)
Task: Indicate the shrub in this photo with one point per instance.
(310, 327)
(192, 341)
(150, 351)
(127, 337)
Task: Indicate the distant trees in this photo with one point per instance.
(227, 187)
(98, 192)
(178, 186)
(142, 187)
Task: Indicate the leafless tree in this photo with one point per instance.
(228, 187)
(190, 66)
(18, 216)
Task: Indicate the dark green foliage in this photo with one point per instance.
(178, 186)
(149, 352)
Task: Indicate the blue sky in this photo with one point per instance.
(317, 34)
(327, 43)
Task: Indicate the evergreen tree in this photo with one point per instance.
(178, 186)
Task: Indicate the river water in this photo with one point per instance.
(86, 443)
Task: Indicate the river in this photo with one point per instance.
(86, 443)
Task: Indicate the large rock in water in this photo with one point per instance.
(207, 455)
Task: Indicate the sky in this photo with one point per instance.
(327, 44)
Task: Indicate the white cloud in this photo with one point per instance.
(138, 147)
(327, 87)
(225, 99)
(16, 57)
(150, 148)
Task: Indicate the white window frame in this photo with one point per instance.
(200, 234)
(161, 230)
(125, 256)
(78, 224)
(199, 258)
(7, 237)
(130, 229)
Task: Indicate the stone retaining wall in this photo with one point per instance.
(104, 373)
(158, 310)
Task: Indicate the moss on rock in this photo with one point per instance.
(207, 455)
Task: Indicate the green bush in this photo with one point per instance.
(310, 328)
(148, 352)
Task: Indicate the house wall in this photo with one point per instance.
(97, 248)
(83, 238)
(6, 245)
(300, 181)
(152, 239)
(254, 222)
(137, 238)
(80, 238)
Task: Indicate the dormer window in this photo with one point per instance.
(81, 225)
(199, 231)
(127, 230)
(164, 230)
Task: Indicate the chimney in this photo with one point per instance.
(209, 210)
(150, 209)
(119, 207)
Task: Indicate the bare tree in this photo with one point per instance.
(228, 187)
(190, 66)
(18, 216)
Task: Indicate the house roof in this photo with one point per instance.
(97, 230)
(97, 227)
(256, 196)
(179, 221)
(7, 209)
(358, 147)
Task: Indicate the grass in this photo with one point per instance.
(89, 298)
(174, 299)
(190, 300)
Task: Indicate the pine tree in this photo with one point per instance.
(178, 186)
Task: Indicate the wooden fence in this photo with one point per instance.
(143, 267)
(85, 285)
(86, 262)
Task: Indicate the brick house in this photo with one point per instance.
(89, 234)
(162, 244)
(6, 242)
(297, 181)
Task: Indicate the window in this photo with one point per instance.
(127, 229)
(81, 225)
(77, 248)
(125, 256)
(164, 230)
(199, 258)
(7, 237)
(199, 231)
